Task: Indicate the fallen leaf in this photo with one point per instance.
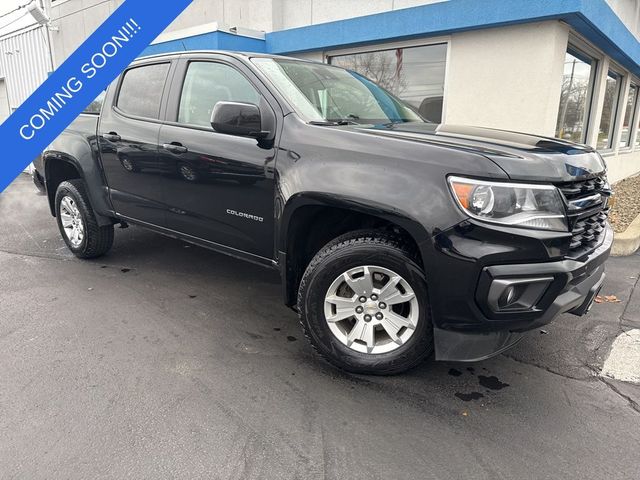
(607, 299)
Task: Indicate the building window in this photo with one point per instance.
(575, 97)
(414, 74)
(609, 111)
(630, 115)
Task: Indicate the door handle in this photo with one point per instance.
(175, 147)
(112, 137)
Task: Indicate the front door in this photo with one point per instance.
(128, 143)
(218, 187)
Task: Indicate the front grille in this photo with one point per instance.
(587, 233)
(587, 214)
(574, 190)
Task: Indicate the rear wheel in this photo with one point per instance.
(363, 305)
(77, 222)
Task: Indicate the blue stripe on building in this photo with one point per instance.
(593, 19)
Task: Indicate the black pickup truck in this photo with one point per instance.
(395, 238)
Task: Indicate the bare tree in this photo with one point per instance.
(572, 106)
(380, 67)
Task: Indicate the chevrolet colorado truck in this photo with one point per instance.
(396, 238)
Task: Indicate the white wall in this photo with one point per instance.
(298, 13)
(250, 14)
(507, 77)
(629, 12)
(77, 19)
(622, 165)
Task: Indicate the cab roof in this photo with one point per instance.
(229, 53)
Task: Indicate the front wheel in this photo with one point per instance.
(364, 306)
(77, 222)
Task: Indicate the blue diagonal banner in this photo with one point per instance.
(88, 71)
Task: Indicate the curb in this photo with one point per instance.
(627, 242)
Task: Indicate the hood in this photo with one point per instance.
(521, 156)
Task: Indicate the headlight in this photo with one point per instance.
(513, 204)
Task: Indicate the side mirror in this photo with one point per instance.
(235, 118)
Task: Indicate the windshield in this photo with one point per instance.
(322, 93)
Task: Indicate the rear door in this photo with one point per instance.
(221, 188)
(128, 142)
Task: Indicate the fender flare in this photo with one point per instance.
(303, 199)
(419, 234)
(92, 176)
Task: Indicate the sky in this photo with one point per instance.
(17, 19)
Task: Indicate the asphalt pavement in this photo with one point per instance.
(165, 360)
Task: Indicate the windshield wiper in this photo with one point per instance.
(333, 123)
(393, 122)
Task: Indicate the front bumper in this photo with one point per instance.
(551, 288)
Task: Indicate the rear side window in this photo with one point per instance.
(207, 83)
(141, 90)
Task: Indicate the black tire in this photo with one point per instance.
(346, 252)
(37, 181)
(97, 239)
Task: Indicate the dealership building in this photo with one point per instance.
(564, 68)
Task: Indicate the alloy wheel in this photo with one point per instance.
(371, 309)
(71, 221)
